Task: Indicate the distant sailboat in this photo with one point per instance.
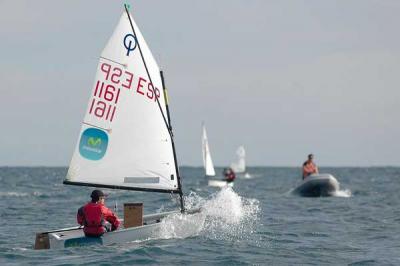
(240, 165)
(126, 139)
(207, 161)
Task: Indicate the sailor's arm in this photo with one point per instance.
(111, 218)
(80, 216)
(316, 169)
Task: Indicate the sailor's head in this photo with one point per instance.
(97, 195)
(310, 156)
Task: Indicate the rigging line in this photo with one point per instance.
(148, 74)
(173, 145)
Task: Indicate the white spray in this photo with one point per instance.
(224, 215)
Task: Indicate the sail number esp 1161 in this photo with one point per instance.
(108, 88)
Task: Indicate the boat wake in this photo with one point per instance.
(346, 193)
(226, 215)
(245, 175)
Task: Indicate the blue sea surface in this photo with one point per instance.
(256, 223)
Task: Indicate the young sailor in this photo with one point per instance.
(309, 167)
(96, 217)
(229, 175)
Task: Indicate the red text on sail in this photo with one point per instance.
(106, 93)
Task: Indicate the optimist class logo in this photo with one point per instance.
(129, 43)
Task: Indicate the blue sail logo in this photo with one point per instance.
(93, 144)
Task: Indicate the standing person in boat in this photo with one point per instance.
(229, 175)
(309, 167)
(96, 217)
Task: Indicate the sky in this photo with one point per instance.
(282, 78)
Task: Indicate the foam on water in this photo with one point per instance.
(346, 193)
(13, 194)
(224, 215)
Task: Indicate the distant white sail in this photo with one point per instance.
(207, 161)
(240, 165)
(124, 141)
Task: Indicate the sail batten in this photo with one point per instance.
(125, 142)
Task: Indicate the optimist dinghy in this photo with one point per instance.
(317, 185)
(207, 161)
(126, 139)
(239, 167)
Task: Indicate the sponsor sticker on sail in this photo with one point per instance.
(93, 144)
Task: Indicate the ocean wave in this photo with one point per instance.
(14, 194)
(21, 194)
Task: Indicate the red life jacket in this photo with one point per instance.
(308, 169)
(93, 220)
(230, 177)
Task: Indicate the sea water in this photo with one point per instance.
(257, 222)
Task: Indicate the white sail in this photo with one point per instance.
(207, 161)
(240, 165)
(124, 141)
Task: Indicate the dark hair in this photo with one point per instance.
(96, 195)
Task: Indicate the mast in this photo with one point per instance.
(167, 123)
(173, 144)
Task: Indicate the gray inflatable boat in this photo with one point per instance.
(317, 185)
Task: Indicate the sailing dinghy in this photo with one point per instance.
(126, 139)
(239, 167)
(317, 185)
(207, 161)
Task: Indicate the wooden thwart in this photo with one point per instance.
(42, 241)
(133, 214)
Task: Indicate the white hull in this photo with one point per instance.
(317, 185)
(219, 183)
(74, 237)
